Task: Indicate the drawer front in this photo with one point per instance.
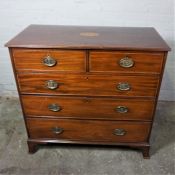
(93, 108)
(126, 62)
(102, 85)
(88, 130)
(49, 60)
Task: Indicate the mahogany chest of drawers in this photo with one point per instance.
(88, 85)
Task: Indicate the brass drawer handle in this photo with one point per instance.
(123, 86)
(54, 107)
(119, 132)
(126, 62)
(57, 130)
(121, 109)
(51, 84)
(49, 61)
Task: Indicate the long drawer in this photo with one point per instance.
(88, 130)
(123, 61)
(84, 107)
(82, 84)
(49, 60)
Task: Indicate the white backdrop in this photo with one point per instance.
(17, 14)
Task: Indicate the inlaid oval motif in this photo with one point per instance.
(89, 34)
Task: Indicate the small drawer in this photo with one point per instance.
(81, 84)
(122, 61)
(87, 108)
(88, 130)
(49, 60)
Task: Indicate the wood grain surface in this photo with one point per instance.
(108, 61)
(88, 130)
(88, 73)
(81, 84)
(121, 38)
(88, 108)
(32, 60)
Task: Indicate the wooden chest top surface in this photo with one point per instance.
(83, 37)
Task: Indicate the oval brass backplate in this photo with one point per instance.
(57, 130)
(123, 86)
(121, 109)
(51, 84)
(54, 107)
(49, 61)
(126, 62)
(119, 132)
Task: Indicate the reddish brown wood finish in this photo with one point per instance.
(88, 72)
(143, 146)
(88, 130)
(82, 84)
(88, 108)
(33, 147)
(32, 60)
(108, 61)
(145, 151)
(84, 37)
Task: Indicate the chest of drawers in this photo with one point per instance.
(88, 85)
